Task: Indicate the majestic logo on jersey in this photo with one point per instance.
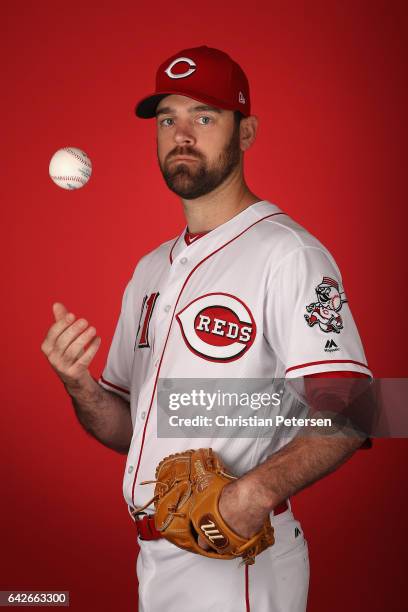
(325, 312)
(180, 75)
(331, 346)
(217, 326)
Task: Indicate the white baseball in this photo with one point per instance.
(70, 168)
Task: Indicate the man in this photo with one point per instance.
(243, 292)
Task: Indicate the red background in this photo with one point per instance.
(329, 88)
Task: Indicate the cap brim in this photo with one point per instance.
(146, 108)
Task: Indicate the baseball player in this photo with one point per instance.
(244, 292)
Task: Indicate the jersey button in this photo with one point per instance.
(130, 469)
(183, 260)
(143, 416)
(167, 308)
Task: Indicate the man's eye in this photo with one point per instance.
(204, 120)
(163, 121)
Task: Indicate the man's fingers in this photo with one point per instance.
(70, 345)
(59, 311)
(55, 331)
(203, 544)
(69, 335)
(90, 352)
(77, 346)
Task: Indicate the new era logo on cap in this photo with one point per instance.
(201, 73)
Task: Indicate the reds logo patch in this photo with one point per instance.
(217, 327)
(325, 312)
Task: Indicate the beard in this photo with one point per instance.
(190, 180)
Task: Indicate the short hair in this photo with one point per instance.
(238, 116)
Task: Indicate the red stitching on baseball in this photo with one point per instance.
(69, 178)
(81, 159)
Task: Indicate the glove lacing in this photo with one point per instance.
(172, 510)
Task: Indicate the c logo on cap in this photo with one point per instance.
(189, 61)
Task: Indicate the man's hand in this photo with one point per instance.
(70, 345)
(242, 508)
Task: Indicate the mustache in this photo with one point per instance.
(181, 151)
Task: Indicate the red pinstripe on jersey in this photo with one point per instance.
(313, 363)
(247, 604)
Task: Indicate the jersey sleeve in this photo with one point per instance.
(116, 375)
(368, 443)
(309, 323)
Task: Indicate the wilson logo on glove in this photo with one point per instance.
(217, 327)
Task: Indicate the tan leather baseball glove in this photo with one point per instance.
(186, 495)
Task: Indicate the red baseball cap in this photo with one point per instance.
(204, 74)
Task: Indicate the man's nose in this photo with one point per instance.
(183, 134)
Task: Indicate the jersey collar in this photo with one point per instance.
(225, 232)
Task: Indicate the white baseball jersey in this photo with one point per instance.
(257, 297)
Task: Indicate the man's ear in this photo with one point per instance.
(247, 131)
